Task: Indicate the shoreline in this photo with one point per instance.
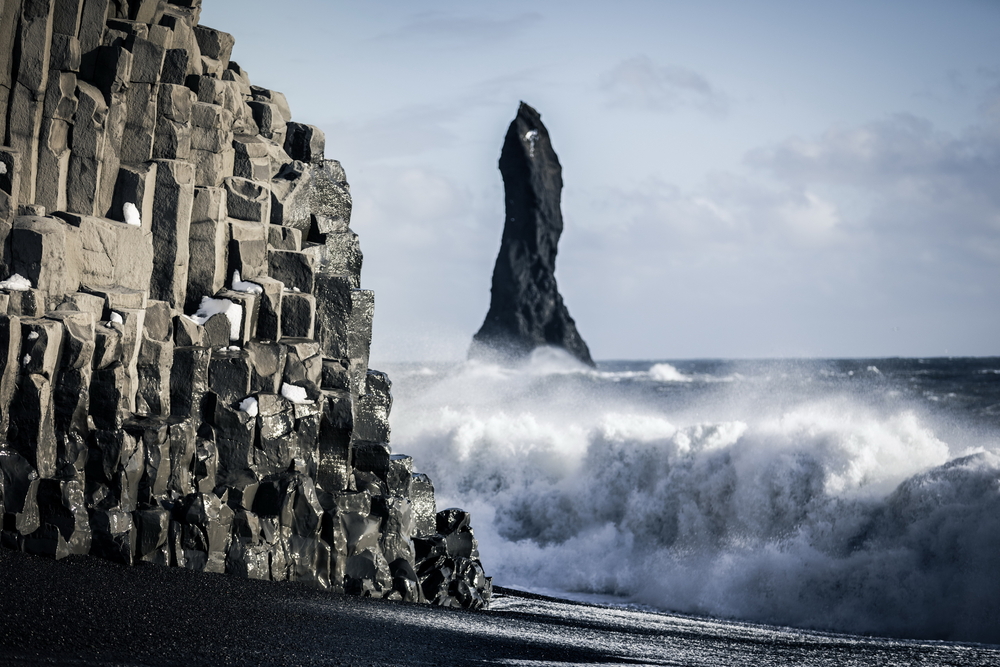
(88, 611)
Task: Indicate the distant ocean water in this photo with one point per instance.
(856, 495)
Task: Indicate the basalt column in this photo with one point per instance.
(184, 339)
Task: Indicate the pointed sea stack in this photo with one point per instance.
(526, 310)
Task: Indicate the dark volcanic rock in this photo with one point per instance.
(184, 353)
(527, 310)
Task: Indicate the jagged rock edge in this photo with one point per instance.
(183, 336)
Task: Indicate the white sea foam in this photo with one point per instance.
(667, 373)
(820, 509)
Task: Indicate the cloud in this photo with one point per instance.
(945, 88)
(412, 202)
(429, 244)
(640, 83)
(884, 152)
(896, 185)
(925, 187)
(440, 125)
(989, 105)
(403, 132)
(446, 29)
(727, 213)
(881, 237)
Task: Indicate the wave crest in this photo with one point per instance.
(667, 373)
(824, 513)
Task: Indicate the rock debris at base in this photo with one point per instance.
(183, 335)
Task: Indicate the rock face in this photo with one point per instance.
(183, 335)
(526, 310)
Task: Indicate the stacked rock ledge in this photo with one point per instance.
(183, 335)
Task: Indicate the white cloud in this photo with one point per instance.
(429, 252)
(885, 152)
(819, 245)
(404, 132)
(990, 98)
(412, 202)
(929, 189)
(809, 215)
(642, 84)
(823, 245)
(447, 29)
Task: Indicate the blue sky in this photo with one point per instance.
(764, 179)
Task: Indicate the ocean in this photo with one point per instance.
(848, 495)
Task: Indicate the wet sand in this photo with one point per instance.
(85, 611)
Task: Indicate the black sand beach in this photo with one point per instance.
(85, 611)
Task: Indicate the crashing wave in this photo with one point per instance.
(824, 510)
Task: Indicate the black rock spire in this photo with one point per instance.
(526, 309)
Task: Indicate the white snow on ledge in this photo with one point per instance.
(240, 285)
(16, 283)
(531, 136)
(210, 307)
(295, 394)
(249, 406)
(131, 214)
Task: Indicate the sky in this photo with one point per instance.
(741, 179)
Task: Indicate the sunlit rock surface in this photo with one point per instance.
(183, 338)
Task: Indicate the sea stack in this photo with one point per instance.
(526, 309)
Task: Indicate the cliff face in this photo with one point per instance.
(183, 338)
(526, 309)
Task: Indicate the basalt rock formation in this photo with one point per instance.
(184, 339)
(526, 309)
